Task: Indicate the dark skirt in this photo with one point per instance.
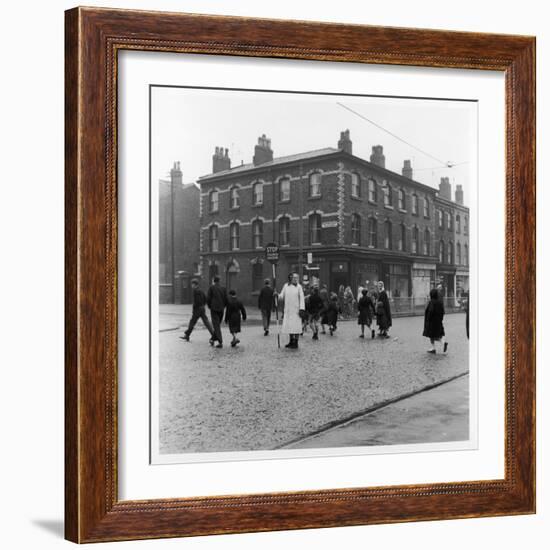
(234, 323)
(365, 317)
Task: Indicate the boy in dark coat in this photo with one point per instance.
(233, 313)
(433, 320)
(366, 312)
(314, 305)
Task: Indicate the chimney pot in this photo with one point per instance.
(262, 151)
(345, 143)
(377, 157)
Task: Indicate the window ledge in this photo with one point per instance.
(214, 211)
(257, 205)
(372, 202)
(388, 207)
(314, 197)
(356, 198)
(284, 201)
(402, 210)
(233, 208)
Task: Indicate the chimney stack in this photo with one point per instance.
(407, 170)
(220, 160)
(377, 157)
(344, 143)
(176, 177)
(262, 151)
(445, 189)
(459, 194)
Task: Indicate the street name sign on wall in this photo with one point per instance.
(331, 223)
(272, 253)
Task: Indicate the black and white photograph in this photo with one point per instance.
(310, 273)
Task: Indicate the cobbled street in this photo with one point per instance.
(259, 397)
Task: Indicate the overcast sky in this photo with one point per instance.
(187, 124)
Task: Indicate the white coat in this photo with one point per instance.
(293, 299)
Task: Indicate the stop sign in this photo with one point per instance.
(272, 253)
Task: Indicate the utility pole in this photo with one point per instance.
(172, 240)
(301, 226)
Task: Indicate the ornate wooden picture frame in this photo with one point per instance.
(94, 37)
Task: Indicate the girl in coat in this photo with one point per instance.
(234, 311)
(366, 312)
(433, 321)
(383, 311)
(314, 306)
(333, 311)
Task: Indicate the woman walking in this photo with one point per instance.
(234, 311)
(433, 321)
(383, 311)
(366, 312)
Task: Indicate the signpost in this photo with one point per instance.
(272, 256)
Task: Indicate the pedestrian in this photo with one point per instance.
(314, 306)
(265, 304)
(323, 293)
(198, 312)
(341, 295)
(433, 321)
(348, 302)
(216, 300)
(332, 313)
(366, 312)
(383, 311)
(466, 305)
(292, 296)
(234, 312)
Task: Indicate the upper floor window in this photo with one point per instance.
(315, 185)
(426, 207)
(372, 190)
(284, 231)
(414, 242)
(415, 203)
(258, 193)
(234, 197)
(355, 229)
(388, 235)
(284, 189)
(355, 185)
(440, 219)
(234, 235)
(458, 254)
(441, 252)
(449, 221)
(465, 225)
(401, 243)
(213, 238)
(466, 252)
(373, 232)
(426, 244)
(388, 199)
(457, 223)
(213, 198)
(450, 252)
(257, 233)
(315, 229)
(401, 199)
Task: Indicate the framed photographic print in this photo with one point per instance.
(297, 260)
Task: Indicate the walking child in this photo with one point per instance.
(314, 305)
(366, 313)
(234, 312)
(333, 311)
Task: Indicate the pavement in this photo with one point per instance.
(260, 397)
(430, 416)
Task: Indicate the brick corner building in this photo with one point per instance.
(338, 219)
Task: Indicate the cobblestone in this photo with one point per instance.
(257, 397)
